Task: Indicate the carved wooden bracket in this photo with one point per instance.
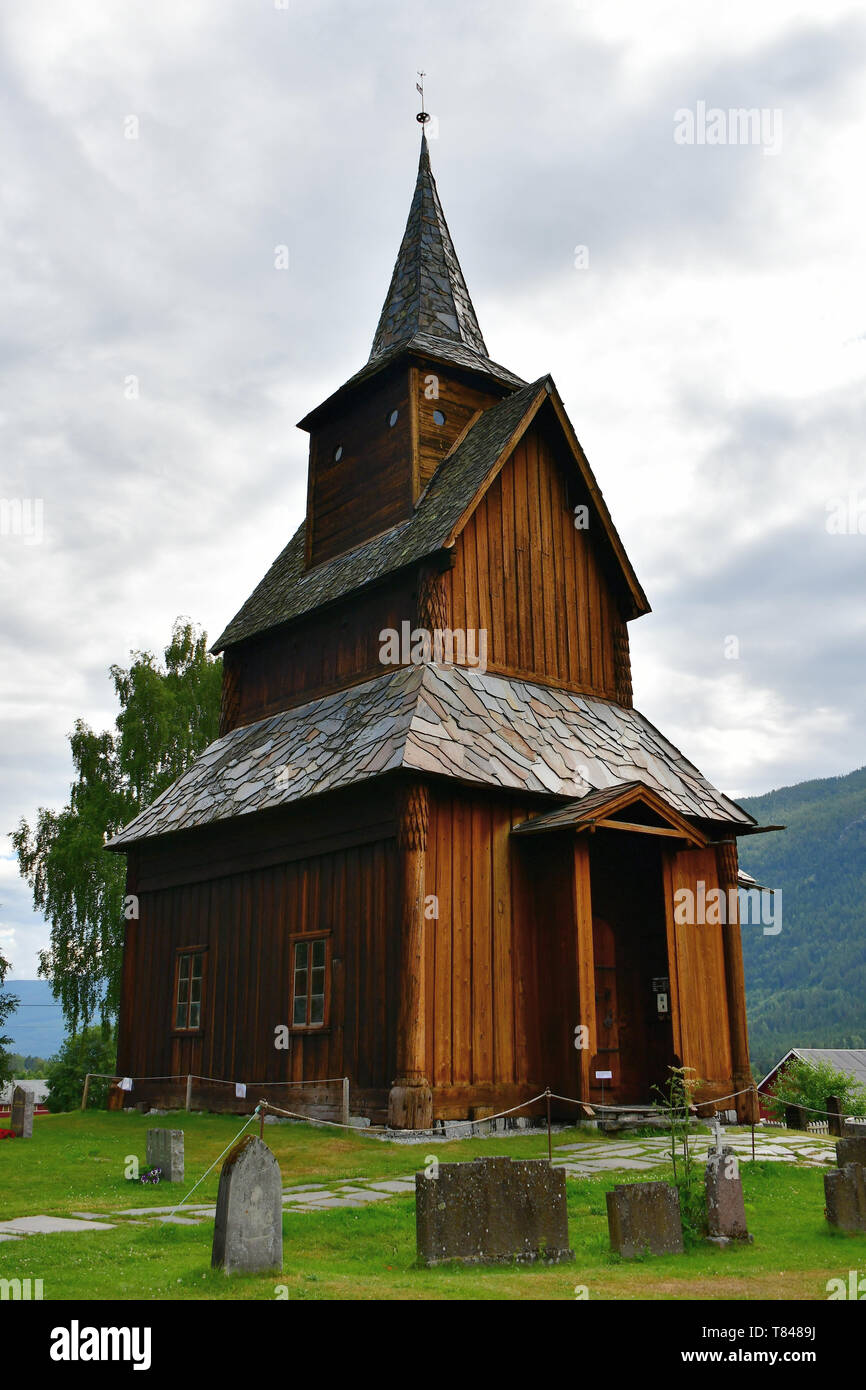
(413, 817)
(432, 601)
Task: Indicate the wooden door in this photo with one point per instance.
(607, 1020)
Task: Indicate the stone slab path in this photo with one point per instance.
(589, 1158)
(583, 1160)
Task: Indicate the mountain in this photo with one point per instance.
(807, 986)
(37, 1024)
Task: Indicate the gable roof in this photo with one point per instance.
(289, 590)
(597, 809)
(448, 721)
(851, 1060)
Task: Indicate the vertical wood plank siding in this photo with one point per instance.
(539, 586)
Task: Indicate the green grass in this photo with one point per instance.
(76, 1162)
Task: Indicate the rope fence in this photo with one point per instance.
(127, 1083)
(591, 1110)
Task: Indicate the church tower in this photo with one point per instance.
(435, 836)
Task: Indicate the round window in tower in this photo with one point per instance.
(393, 417)
(338, 453)
(438, 417)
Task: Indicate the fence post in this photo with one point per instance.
(834, 1116)
(85, 1091)
(189, 1093)
(344, 1105)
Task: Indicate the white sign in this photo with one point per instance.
(604, 1076)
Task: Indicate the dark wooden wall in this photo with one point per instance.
(324, 652)
(240, 892)
(505, 959)
(370, 488)
(540, 587)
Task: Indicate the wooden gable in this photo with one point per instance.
(539, 567)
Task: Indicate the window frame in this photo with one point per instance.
(198, 1028)
(308, 938)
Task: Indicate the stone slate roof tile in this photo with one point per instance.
(426, 718)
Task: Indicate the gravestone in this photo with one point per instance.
(165, 1151)
(796, 1117)
(21, 1121)
(248, 1228)
(492, 1210)
(644, 1217)
(834, 1116)
(845, 1196)
(852, 1150)
(726, 1210)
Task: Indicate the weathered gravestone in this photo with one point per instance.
(845, 1196)
(644, 1218)
(21, 1122)
(165, 1151)
(492, 1209)
(248, 1229)
(726, 1210)
(852, 1150)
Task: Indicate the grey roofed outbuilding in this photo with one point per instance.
(851, 1060)
(445, 720)
(38, 1089)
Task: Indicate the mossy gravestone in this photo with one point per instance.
(21, 1122)
(726, 1210)
(845, 1186)
(491, 1210)
(643, 1218)
(248, 1229)
(851, 1151)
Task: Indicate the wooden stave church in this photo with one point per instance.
(479, 860)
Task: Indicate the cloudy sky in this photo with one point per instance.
(709, 341)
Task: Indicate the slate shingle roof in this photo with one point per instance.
(289, 590)
(448, 721)
(427, 293)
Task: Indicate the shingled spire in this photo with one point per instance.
(427, 298)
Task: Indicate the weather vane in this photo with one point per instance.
(422, 116)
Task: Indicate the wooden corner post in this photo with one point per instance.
(726, 856)
(410, 1102)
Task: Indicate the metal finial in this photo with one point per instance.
(422, 118)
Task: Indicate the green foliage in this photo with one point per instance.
(809, 1084)
(8, 1005)
(806, 986)
(676, 1101)
(87, 1051)
(168, 714)
(27, 1068)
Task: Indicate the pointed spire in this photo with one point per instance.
(427, 295)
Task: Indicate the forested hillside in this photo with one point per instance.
(807, 986)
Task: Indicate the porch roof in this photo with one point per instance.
(598, 809)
